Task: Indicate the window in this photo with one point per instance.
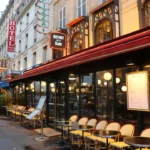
(103, 31)
(81, 9)
(63, 18)
(26, 41)
(20, 26)
(45, 55)
(13, 66)
(19, 45)
(102, 1)
(35, 34)
(25, 63)
(18, 65)
(57, 54)
(34, 58)
(147, 13)
(77, 42)
(27, 18)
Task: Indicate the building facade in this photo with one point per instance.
(106, 39)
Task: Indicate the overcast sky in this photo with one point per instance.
(3, 4)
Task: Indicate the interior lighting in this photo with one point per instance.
(124, 88)
(99, 81)
(43, 83)
(107, 76)
(52, 85)
(117, 80)
(105, 83)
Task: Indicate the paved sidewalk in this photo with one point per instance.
(15, 137)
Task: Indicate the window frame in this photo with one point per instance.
(81, 6)
(62, 17)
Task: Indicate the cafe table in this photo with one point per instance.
(83, 128)
(106, 134)
(62, 123)
(138, 141)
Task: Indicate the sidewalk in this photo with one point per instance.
(15, 137)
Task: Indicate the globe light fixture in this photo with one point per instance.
(43, 83)
(117, 80)
(107, 76)
(99, 81)
(124, 88)
(105, 83)
(52, 85)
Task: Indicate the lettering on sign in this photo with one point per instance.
(42, 16)
(11, 35)
(57, 40)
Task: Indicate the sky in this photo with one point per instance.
(3, 4)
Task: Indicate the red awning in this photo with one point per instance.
(101, 6)
(127, 43)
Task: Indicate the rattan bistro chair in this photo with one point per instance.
(101, 125)
(115, 126)
(126, 130)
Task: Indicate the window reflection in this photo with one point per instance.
(87, 95)
(104, 94)
(121, 105)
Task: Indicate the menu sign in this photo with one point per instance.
(138, 91)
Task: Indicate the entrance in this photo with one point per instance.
(56, 101)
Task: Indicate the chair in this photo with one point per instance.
(111, 126)
(145, 133)
(89, 138)
(72, 119)
(126, 130)
(82, 121)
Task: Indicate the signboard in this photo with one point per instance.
(138, 91)
(57, 40)
(11, 35)
(42, 23)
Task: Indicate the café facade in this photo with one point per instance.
(91, 82)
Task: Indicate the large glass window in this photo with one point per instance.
(87, 95)
(81, 9)
(103, 31)
(77, 42)
(104, 94)
(122, 113)
(73, 94)
(37, 93)
(147, 13)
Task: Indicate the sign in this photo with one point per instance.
(11, 35)
(57, 40)
(42, 14)
(138, 91)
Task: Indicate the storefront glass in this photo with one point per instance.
(87, 95)
(122, 114)
(104, 94)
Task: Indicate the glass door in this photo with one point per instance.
(56, 101)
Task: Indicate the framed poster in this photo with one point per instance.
(138, 91)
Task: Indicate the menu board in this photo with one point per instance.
(138, 91)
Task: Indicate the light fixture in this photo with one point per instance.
(84, 84)
(62, 82)
(72, 77)
(17, 87)
(130, 62)
(70, 88)
(147, 66)
(105, 83)
(124, 88)
(52, 85)
(43, 83)
(107, 76)
(117, 80)
(99, 81)
(27, 88)
(31, 86)
(53, 90)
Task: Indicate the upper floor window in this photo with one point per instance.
(34, 58)
(35, 34)
(81, 9)
(19, 45)
(45, 55)
(27, 18)
(63, 18)
(25, 63)
(103, 31)
(18, 65)
(26, 41)
(147, 13)
(102, 1)
(20, 26)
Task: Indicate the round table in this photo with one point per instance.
(138, 141)
(61, 123)
(106, 134)
(83, 128)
